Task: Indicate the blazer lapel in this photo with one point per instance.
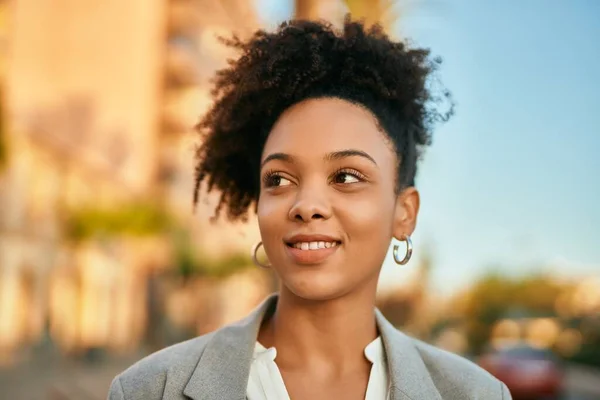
(224, 367)
(409, 377)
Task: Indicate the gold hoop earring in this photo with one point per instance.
(409, 250)
(254, 258)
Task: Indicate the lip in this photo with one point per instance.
(310, 238)
(310, 257)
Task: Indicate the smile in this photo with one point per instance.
(313, 245)
(311, 249)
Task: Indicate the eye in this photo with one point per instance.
(274, 179)
(347, 177)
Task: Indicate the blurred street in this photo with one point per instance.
(52, 377)
(583, 383)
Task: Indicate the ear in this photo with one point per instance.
(405, 216)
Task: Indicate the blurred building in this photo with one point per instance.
(100, 98)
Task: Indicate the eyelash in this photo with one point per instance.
(268, 175)
(349, 171)
(346, 171)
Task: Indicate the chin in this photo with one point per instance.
(317, 288)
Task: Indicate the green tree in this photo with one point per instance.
(305, 9)
(3, 139)
(495, 297)
(188, 263)
(136, 219)
(374, 11)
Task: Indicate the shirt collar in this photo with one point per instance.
(224, 367)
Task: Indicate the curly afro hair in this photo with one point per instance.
(301, 60)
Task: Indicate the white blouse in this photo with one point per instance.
(266, 383)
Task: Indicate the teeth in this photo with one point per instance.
(314, 245)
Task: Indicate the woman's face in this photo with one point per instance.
(327, 208)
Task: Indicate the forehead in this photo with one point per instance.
(320, 126)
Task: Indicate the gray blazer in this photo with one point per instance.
(216, 366)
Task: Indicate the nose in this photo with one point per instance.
(310, 204)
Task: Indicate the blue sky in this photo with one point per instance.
(512, 182)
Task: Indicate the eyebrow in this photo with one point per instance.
(336, 155)
(277, 156)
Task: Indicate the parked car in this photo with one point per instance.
(529, 373)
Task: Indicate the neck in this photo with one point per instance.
(333, 332)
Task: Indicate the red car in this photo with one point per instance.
(528, 372)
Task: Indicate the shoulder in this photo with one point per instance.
(457, 377)
(146, 379)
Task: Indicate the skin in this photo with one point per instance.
(327, 168)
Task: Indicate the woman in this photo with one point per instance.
(321, 131)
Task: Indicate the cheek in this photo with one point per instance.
(367, 217)
(265, 208)
(272, 214)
